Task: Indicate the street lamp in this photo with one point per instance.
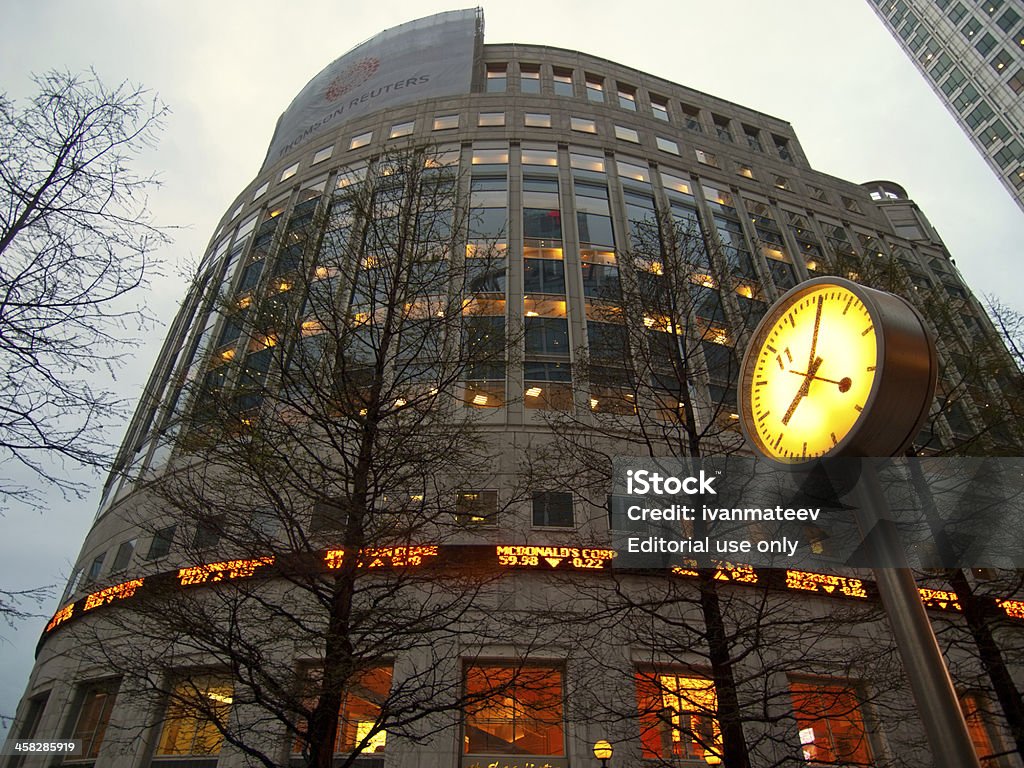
(603, 752)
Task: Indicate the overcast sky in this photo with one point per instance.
(228, 69)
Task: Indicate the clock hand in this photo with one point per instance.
(844, 383)
(802, 392)
(814, 337)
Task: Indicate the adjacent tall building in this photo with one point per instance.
(364, 497)
(972, 55)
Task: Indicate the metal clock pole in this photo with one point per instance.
(919, 649)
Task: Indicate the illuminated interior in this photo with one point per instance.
(514, 711)
(677, 716)
(195, 707)
(830, 724)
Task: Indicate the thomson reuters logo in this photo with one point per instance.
(354, 76)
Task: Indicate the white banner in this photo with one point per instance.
(421, 59)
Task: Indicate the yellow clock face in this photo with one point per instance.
(811, 373)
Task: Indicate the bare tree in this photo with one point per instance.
(75, 241)
(331, 446)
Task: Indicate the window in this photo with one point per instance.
(586, 162)
(583, 124)
(261, 190)
(323, 154)
(93, 717)
(29, 726)
(970, 29)
(627, 134)
(691, 118)
(563, 82)
(359, 726)
(1000, 62)
(517, 710)
(595, 88)
(401, 129)
(548, 386)
(1017, 81)
(547, 335)
(830, 724)
(95, 568)
(327, 515)
(446, 122)
(991, 6)
(667, 145)
(361, 140)
(706, 158)
(161, 543)
(552, 509)
(529, 78)
(986, 44)
(782, 147)
(290, 171)
(722, 127)
(208, 531)
(627, 97)
(1009, 154)
(497, 78)
(540, 155)
(537, 120)
(1008, 20)
(123, 556)
(659, 107)
(957, 13)
(745, 171)
(981, 115)
(633, 171)
(491, 119)
(781, 182)
(975, 713)
(476, 507)
(753, 138)
(194, 710)
(677, 717)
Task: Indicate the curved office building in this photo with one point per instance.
(365, 495)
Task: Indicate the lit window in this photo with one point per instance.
(706, 158)
(290, 171)
(830, 724)
(1000, 62)
(563, 82)
(361, 140)
(322, 155)
(262, 190)
(446, 122)
(667, 145)
(678, 717)
(745, 171)
(194, 710)
(516, 710)
(485, 156)
(540, 155)
(595, 88)
(497, 76)
(401, 129)
(633, 171)
(583, 124)
(359, 717)
(675, 183)
(529, 78)
(476, 507)
(781, 182)
(975, 712)
(491, 119)
(94, 716)
(627, 134)
(537, 120)
(586, 162)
